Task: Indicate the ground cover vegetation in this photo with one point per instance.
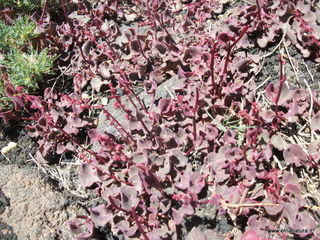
(244, 147)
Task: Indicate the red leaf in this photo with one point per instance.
(100, 215)
(129, 197)
(87, 175)
(315, 122)
(6, 116)
(195, 234)
(165, 105)
(250, 235)
(272, 92)
(277, 142)
(294, 154)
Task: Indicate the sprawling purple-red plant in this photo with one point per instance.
(213, 142)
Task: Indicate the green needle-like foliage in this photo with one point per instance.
(23, 64)
(21, 5)
(26, 69)
(17, 34)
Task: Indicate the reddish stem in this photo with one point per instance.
(135, 217)
(282, 79)
(45, 6)
(195, 110)
(213, 49)
(259, 9)
(229, 50)
(112, 119)
(117, 207)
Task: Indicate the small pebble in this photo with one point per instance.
(104, 101)
(5, 150)
(12, 145)
(85, 96)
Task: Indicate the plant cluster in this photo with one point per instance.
(212, 143)
(21, 63)
(25, 6)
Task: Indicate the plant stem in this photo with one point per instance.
(213, 49)
(45, 6)
(112, 119)
(259, 9)
(135, 217)
(195, 110)
(229, 50)
(282, 79)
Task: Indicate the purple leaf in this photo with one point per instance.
(250, 235)
(83, 229)
(277, 142)
(129, 197)
(195, 233)
(179, 214)
(165, 105)
(100, 216)
(161, 47)
(135, 46)
(229, 137)
(196, 183)
(315, 122)
(267, 115)
(272, 92)
(184, 182)
(273, 210)
(87, 175)
(126, 229)
(294, 154)
(61, 148)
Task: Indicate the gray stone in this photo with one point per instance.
(31, 208)
(161, 92)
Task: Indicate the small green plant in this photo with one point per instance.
(23, 64)
(21, 5)
(26, 68)
(16, 35)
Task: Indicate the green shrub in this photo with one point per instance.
(16, 35)
(23, 64)
(26, 68)
(21, 5)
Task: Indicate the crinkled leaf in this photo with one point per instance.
(195, 233)
(315, 122)
(250, 235)
(100, 216)
(277, 142)
(272, 92)
(294, 154)
(129, 197)
(179, 214)
(87, 175)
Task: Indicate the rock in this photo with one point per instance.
(31, 208)
(162, 92)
